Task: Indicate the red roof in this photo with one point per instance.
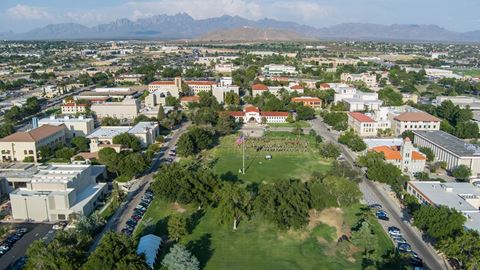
(251, 109)
(190, 99)
(201, 83)
(285, 114)
(163, 83)
(283, 79)
(296, 87)
(325, 85)
(236, 113)
(361, 117)
(393, 153)
(73, 105)
(306, 99)
(259, 86)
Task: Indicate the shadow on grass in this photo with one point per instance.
(230, 177)
(202, 249)
(194, 220)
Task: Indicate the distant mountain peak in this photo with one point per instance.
(184, 26)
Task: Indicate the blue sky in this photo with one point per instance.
(458, 15)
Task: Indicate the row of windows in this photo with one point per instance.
(420, 126)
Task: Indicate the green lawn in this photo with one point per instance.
(303, 124)
(260, 245)
(468, 72)
(283, 165)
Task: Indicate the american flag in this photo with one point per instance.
(240, 140)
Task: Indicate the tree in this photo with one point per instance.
(428, 152)
(408, 134)
(234, 204)
(142, 118)
(390, 97)
(186, 145)
(364, 238)
(297, 129)
(172, 101)
(263, 120)
(439, 222)
(128, 140)
(179, 258)
(467, 130)
(447, 127)
(6, 129)
(67, 250)
(290, 118)
(202, 138)
(45, 152)
(80, 143)
(109, 158)
(465, 248)
(110, 121)
(344, 190)
(65, 153)
(353, 141)
(161, 113)
(232, 98)
(132, 164)
(225, 124)
(115, 251)
(329, 150)
(285, 203)
(177, 227)
(462, 173)
(305, 113)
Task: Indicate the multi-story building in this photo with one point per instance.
(414, 121)
(101, 137)
(408, 159)
(462, 101)
(53, 192)
(363, 125)
(219, 92)
(276, 70)
(259, 89)
(22, 145)
(126, 109)
(450, 149)
(463, 197)
(185, 101)
(254, 115)
(201, 86)
(224, 67)
(312, 102)
(369, 79)
(102, 94)
(167, 88)
(129, 78)
(75, 126)
(73, 108)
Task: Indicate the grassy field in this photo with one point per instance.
(303, 124)
(260, 245)
(283, 165)
(468, 72)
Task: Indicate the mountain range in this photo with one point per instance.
(183, 26)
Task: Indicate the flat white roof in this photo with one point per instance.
(66, 119)
(108, 132)
(142, 127)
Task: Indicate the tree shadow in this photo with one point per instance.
(230, 177)
(253, 188)
(161, 228)
(194, 220)
(202, 249)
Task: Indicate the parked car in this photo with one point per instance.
(404, 247)
(382, 215)
(393, 231)
(375, 206)
(399, 240)
(136, 218)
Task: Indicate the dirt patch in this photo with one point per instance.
(178, 208)
(330, 216)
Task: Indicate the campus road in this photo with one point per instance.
(137, 190)
(373, 194)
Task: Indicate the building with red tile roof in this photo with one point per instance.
(406, 157)
(253, 114)
(362, 124)
(414, 121)
(22, 146)
(312, 102)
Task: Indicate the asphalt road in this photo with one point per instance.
(36, 231)
(372, 194)
(124, 212)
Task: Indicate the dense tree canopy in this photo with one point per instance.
(439, 222)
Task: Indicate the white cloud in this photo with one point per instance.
(25, 12)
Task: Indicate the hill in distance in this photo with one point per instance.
(253, 34)
(183, 26)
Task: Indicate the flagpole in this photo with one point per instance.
(243, 159)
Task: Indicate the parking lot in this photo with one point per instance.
(138, 213)
(19, 247)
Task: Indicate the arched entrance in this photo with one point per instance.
(252, 120)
